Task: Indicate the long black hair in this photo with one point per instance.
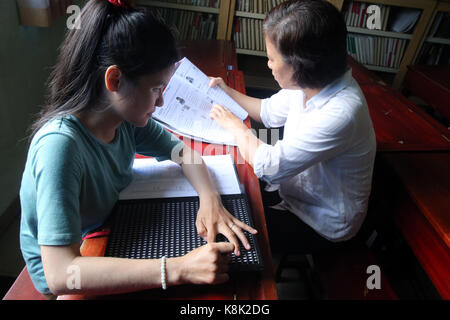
(134, 40)
(311, 36)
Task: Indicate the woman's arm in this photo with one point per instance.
(247, 142)
(250, 104)
(67, 272)
(212, 217)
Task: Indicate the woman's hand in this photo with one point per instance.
(213, 218)
(207, 264)
(227, 120)
(218, 82)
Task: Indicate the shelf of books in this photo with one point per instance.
(382, 47)
(379, 50)
(436, 47)
(189, 19)
(247, 25)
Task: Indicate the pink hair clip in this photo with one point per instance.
(120, 3)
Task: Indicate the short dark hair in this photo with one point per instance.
(310, 35)
(134, 40)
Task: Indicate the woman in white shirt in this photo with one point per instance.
(323, 166)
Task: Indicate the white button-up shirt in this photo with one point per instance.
(323, 165)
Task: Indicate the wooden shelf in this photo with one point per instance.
(251, 52)
(437, 40)
(382, 69)
(379, 33)
(178, 6)
(226, 7)
(245, 14)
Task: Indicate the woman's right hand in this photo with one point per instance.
(207, 264)
(218, 82)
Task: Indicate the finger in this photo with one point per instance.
(212, 82)
(244, 226)
(211, 234)
(229, 234)
(201, 230)
(213, 114)
(224, 247)
(218, 108)
(241, 236)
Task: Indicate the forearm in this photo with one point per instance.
(247, 143)
(106, 275)
(197, 174)
(250, 104)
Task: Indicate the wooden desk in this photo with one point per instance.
(421, 210)
(420, 180)
(431, 84)
(399, 124)
(215, 58)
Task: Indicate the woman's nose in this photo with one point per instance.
(159, 102)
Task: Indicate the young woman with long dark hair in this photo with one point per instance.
(107, 82)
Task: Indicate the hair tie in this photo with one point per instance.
(120, 3)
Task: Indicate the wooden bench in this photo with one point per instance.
(431, 84)
(396, 120)
(421, 209)
(344, 275)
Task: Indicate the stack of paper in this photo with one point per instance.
(165, 179)
(187, 103)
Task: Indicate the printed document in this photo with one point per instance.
(187, 103)
(165, 179)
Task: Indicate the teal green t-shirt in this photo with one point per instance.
(72, 180)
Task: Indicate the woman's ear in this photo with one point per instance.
(112, 78)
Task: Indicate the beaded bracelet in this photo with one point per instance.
(163, 273)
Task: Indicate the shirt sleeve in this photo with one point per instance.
(154, 141)
(57, 175)
(317, 141)
(274, 110)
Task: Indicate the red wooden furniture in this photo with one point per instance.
(421, 211)
(399, 124)
(23, 289)
(431, 84)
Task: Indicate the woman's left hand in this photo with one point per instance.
(213, 218)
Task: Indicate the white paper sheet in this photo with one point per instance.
(165, 179)
(187, 103)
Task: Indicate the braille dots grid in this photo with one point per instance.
(152, 228)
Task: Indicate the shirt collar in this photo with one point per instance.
(324, 95)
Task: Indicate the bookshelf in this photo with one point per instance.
(435, 48)
(398, 49)
(194, 19)
(241, 21)
(248, 16)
